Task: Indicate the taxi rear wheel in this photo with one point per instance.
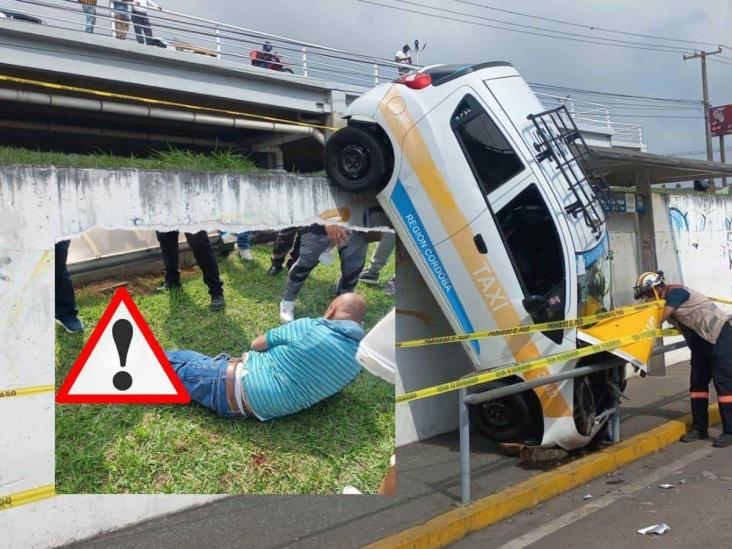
(356, 160)
(512, 418)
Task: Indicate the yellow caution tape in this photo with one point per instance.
(150, 101)
(27, 496)
(25, 391)
(531, 328)
(528, 366)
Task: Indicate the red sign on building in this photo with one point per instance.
(720, 120)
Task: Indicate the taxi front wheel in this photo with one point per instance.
(357, 161)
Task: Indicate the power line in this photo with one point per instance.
(619, 95)
(720, 61)
(532, 27)
(444, 17)
(592, 27)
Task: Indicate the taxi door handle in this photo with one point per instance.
(480, 244)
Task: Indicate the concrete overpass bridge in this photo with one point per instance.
(207, 92)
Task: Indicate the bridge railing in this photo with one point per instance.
(595, 115)
(216, 40)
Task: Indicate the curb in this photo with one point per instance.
(453, 525)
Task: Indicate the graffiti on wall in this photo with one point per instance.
(703, 220)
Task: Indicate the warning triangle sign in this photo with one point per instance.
(122, 363)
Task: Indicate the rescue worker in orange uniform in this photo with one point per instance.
(709, 335)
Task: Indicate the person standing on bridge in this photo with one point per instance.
(709, 335)
(141, 21)
(89, 7)
(121, 10)
(404, 56)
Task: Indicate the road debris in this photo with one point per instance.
(587, 496)
(655, 530)
(709, 475)
(665, 486)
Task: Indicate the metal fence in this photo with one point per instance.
(222, 41)
(597, 115)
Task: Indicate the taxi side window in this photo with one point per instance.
(532, 241)
(488, 152)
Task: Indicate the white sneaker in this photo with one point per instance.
(287, 311)
(246, 255)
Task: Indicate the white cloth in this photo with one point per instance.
(402, 57)
(376, 352)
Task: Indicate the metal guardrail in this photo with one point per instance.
(223, 41)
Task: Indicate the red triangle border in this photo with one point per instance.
(122, 296)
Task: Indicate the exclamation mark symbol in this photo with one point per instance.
(122, 334)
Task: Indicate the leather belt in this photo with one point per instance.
(231, 397)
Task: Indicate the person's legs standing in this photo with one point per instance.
(244, 243)
(147, 30)
(295, 251)
(353, 257)
(721, 355)
(203, 252)
(282, 244)
(66, 311)
(313, 242)
(380, 258)
(138, 22)
(699, 378)
(204, 378)
(169, 248)
(91, 17)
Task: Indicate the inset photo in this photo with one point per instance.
(283, 340)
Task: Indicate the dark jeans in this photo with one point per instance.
(141, 22)
(203, 252)
(288, 240)
(711, 363)
(65, 301)
(315, 241)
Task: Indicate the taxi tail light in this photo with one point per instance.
(416, 80)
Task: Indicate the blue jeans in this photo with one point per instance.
(243, 240)
(204, 378)
(91, 16)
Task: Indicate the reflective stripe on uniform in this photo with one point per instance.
(700, 394)
(726, 399)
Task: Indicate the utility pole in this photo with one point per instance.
(705, 90)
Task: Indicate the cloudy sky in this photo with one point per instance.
(357, 26)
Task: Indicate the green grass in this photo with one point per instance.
(171, 159)
(346, 439)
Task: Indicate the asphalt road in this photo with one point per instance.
(697, 508)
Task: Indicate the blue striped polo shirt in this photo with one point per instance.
(308, 360)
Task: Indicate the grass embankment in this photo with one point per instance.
(346, 439)
(171, 159)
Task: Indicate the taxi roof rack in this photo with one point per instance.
(560, 141)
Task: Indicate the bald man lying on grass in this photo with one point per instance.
(287, 370)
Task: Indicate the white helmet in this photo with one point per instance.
(647, 282)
